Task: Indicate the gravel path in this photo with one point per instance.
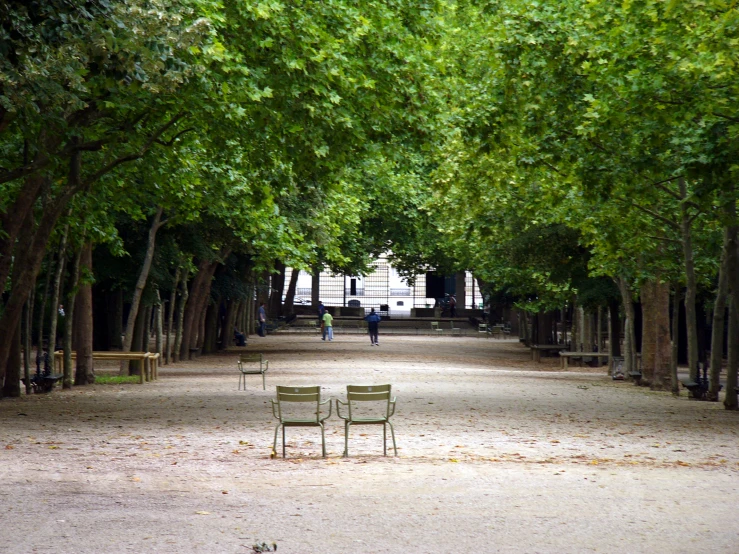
(496, 454)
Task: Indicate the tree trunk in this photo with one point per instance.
(69, 320)
(28, 341)
(210, 332)
(656, 350)
(12, 382)
(170, 317)
(29, 258)
(614, 339)
(719, 316)
(57, 292)
(85, 372)
(158, 325)
(13, 218)
(137, 342)
(691, 284)
(289, 306)
(229, 323)
(194, 307)
(674, 383)
(180, 319)
(201, 324)
(140, 284)
(147, 330)
(277, 288)
(629, 333)
(42, 315)
(576, 332)
(587, 331)
(730, 399)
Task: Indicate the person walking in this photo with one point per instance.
(373, 323)
(262, 318)
(328, 328)
(453, 306)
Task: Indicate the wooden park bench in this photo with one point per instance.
(252, 364)
(537, 349)
(698, 388)
(380, 396)
(564, 357)
(308, 398)
(149, 371)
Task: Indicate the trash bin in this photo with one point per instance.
(617, 368)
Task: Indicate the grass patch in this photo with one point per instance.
(115, 379)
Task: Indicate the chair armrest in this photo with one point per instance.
(330, 406)
(392, 402)
(266, 365)
(273, 408)
(338, 413)
(239, 365)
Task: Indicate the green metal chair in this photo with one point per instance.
(252, 364)
(311, 396)
(356, 394)
(435, 327)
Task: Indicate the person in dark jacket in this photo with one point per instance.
(373, 322)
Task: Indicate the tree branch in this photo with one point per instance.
(136, 155)
(666, 239)
(692, 217)
(730, 118)
(174, 138)
(653, 214)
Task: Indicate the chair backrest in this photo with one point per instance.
(368, 393)
(287, 394)
(250, 358)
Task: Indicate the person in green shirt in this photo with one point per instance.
(328, 328)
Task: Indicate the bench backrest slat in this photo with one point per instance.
(368, 388)
(368, 396)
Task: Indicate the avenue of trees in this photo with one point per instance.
(163, 161)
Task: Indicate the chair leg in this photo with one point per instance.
(241, 376)
(264, 382)
(384, 439)
(323, 440)
(283, 441)
(274, 444)
(392, 432)
(346, 439)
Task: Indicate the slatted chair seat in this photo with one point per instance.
(310, 416)
(384, 405)
(252, 364)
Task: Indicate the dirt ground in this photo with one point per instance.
(496, 454)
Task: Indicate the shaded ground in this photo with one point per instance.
(497, 454)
